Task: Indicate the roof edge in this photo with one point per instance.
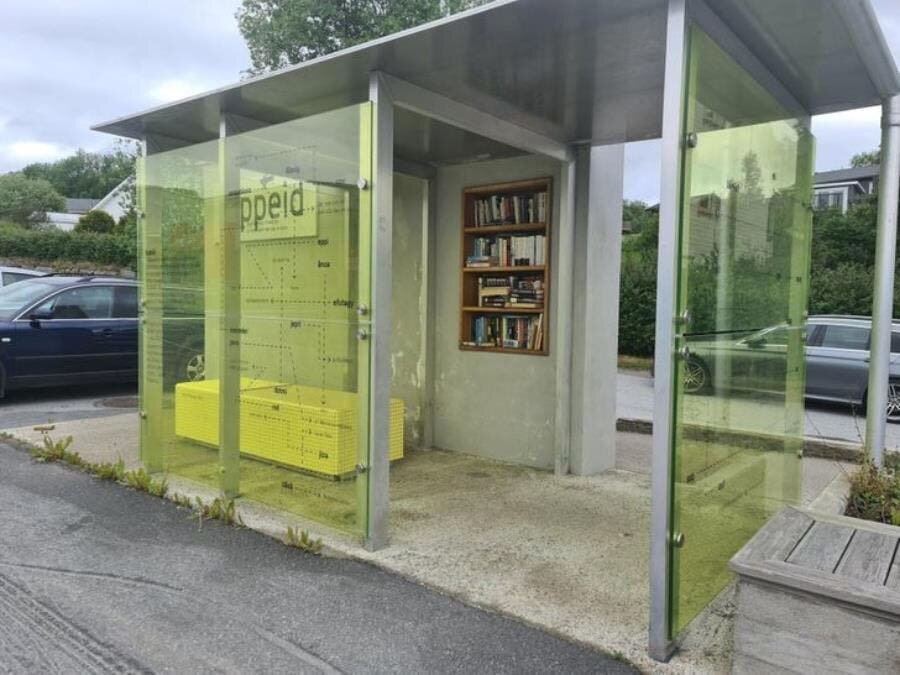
(105, 127)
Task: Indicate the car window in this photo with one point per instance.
(85, 302)
(13, 277)
(845, 337)
(895, 343)
(18, 297)
(126, 304)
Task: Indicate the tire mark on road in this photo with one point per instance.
(37, 638)
(107, 576)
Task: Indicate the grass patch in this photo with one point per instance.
(301, 539)
(635, 362)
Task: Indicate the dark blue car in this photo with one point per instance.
(57, 330)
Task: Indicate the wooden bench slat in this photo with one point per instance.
(822, 547)
(868, 557)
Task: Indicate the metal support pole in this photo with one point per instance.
(660, 645)
(883, 297)
(380, 359)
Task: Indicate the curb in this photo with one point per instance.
(822, 448)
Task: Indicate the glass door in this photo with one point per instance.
(742, 292)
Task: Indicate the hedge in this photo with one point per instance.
(51, 245)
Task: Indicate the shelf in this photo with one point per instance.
(503, 350)
(514, 268)
(513, 320)
(503, 229)
(504, 310)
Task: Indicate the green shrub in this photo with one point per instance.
(54, 245)
(637, 305)
(96, 221)
(874, 495)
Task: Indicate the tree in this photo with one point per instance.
(87, 174)
(96, 221)
(866, 158)
(638, 215)
(281, 32)
(26, 201)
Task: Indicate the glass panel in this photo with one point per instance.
(744, 261)
(263, 260)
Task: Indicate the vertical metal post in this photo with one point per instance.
(565, 252)
(380, 360)
(883, 298)
(229, 351)
(150, 343)
(659, 645)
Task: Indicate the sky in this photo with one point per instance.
(68, 64)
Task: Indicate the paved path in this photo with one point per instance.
(95, 577)
(635, 401)
(38, 406)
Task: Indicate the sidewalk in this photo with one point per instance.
(96, 577)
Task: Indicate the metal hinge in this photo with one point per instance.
(361, 469)
(691, 140)
(678, 539)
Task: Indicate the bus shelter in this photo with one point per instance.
(415, 243)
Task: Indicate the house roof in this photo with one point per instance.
(80, 205)
(847, 175)
(571, 70)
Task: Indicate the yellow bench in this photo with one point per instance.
(302, 427)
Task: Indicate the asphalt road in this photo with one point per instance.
(95, 577)
(635, 401)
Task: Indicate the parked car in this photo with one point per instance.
(57, 330)
(10, 275)
(837, 361)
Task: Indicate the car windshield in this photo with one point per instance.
(18, 296)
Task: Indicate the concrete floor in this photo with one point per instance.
(566, 554)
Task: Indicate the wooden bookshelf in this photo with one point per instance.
(505, 262)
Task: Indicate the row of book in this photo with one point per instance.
(524, 292)
(508, 251)
(510, 209)
(509, 332)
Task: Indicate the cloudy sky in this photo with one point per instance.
(68, 64)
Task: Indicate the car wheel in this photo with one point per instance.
(696, 376)
(893, 402)
(193, 366)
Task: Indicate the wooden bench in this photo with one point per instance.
(818, 593)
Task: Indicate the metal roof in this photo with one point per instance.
(846, 175)
(572, 70)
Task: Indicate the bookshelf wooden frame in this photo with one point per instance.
(468, 306)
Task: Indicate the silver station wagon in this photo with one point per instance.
(837, 362)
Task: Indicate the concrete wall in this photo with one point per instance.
(494, 405)
(408, 300)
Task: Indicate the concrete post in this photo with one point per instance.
(883, 297)
(596, 315)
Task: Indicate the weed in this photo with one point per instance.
(109, 470)
(139, 479)
(182, 500)
(300, 539)
(218, 509)
(56, 451)
(874, 494)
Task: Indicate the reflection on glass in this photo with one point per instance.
(254, 260)
(744, 257)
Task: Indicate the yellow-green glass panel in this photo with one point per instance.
(255, 262)
(299, 192)
(742, 292)
(180, 199)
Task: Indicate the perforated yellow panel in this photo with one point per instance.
(300, 427)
